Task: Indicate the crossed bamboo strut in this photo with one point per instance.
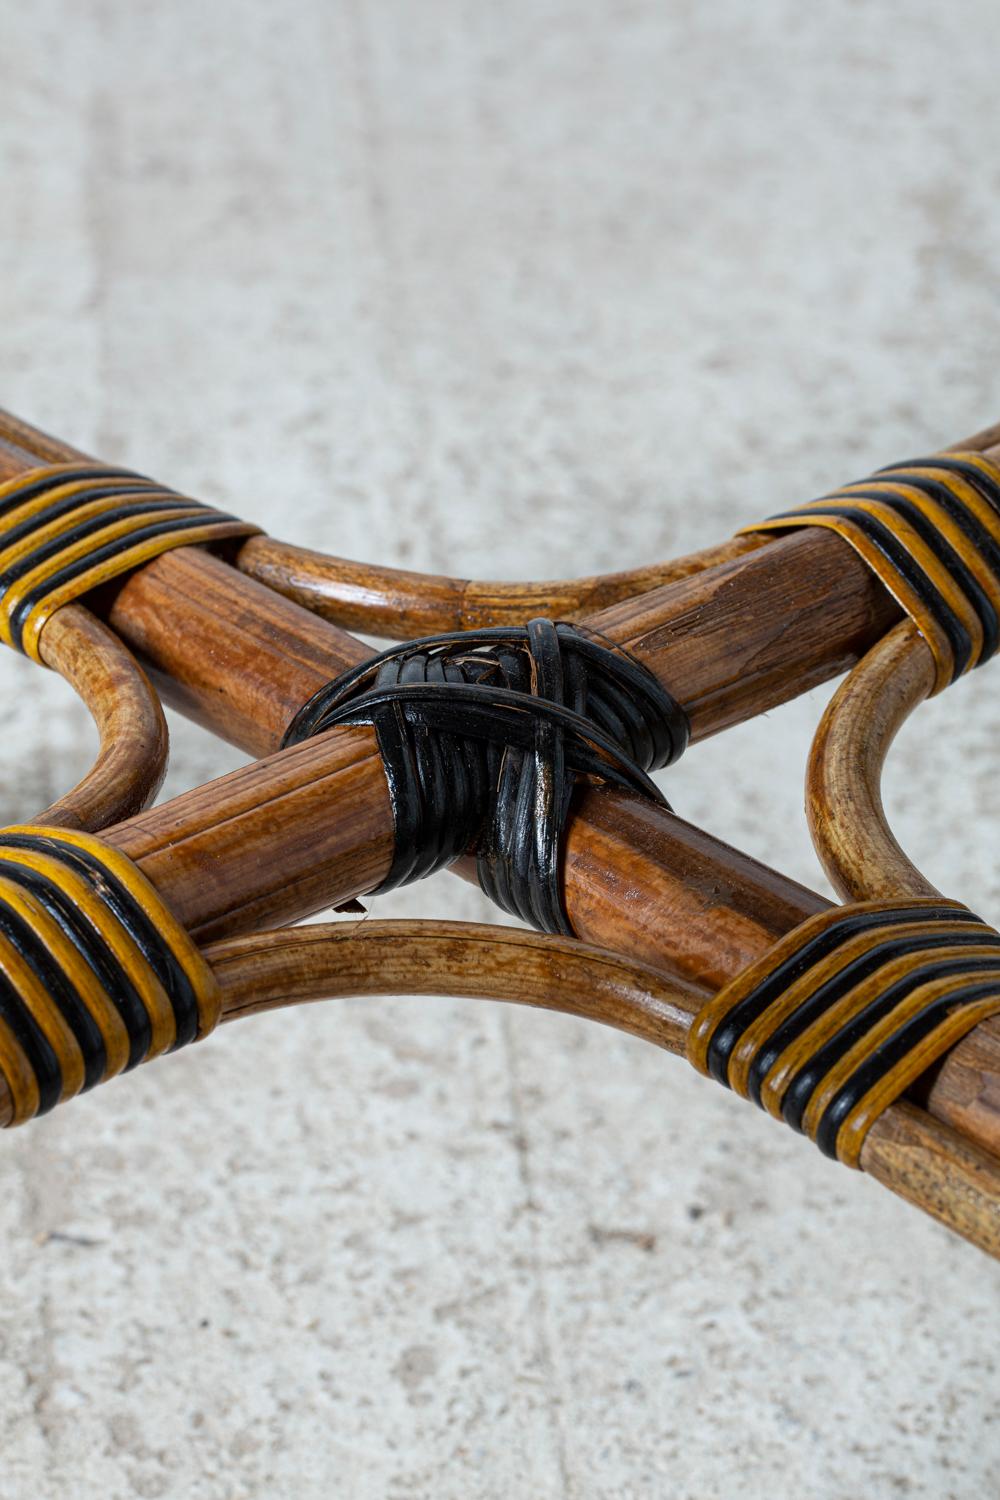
(241, 644)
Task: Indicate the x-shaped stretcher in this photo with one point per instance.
(666, 932)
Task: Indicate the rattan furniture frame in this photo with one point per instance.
(656, 917)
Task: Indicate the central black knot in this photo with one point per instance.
(484, 734)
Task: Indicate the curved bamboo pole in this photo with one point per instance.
(847, 820)
(402, 605)
(915, 1156)
(321, 961)
(132, 759)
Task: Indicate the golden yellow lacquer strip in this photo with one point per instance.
(31, 991)
(145, 894)
(88, 902)
(903, 484)
(959, 541)
(19, 1076)
(103, 945)
(964, 945)
(962, 1020)
(30, 477)
(834, 1017)
(49, 531)
(214, 530)
(911, 602)
(76, 551)
(74, 483)
(715, 1010)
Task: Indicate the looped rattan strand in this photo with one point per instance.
(847, 820)
(930, 530)
(96, 975)
(840, 1017)
(66, 528)
(483, 734)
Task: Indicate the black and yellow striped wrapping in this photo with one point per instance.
(831, 1026)
(930, 530)
(66, 528)
(96, 974)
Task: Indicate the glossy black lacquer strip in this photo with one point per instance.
(891, 948)
(953, 564)
(729, 1030)
(892, 1052)
(483, 735)
(160, 957)
(99, 958)
(808, 1079)
(33, 489)
(78, 533)
(118, 548)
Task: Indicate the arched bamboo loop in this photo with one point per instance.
(847, 820)
(132, 759)
(908, 1151)
(397, 604)
(286, 966)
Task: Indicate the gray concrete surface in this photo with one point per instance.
(535, 288)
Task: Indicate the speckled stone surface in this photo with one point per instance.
(534, 288)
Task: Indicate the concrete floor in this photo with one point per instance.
(538, 288)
